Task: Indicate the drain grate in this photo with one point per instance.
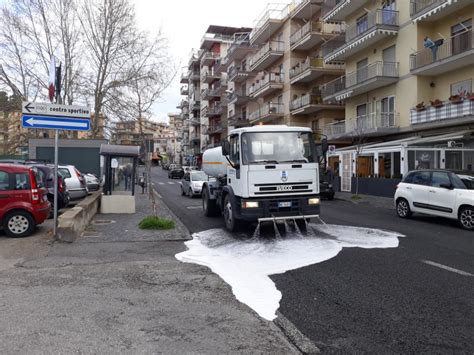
(103, 221)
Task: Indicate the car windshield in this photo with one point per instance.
(198, 176)
(64, 172)
(277, 147)
(468, 180)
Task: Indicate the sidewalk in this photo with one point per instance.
(367, 200)
(121, 290)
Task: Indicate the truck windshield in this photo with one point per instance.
(277, 147)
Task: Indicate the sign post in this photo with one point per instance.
(55, 116)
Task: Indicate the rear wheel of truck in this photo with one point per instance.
(209, 206)
(229, 215)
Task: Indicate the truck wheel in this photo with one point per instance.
(229, 215)
(208, 206)
(18, 224)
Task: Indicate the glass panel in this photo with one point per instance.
(22, 181)
(4, 183)
(453, 160)
(422, 178)
(438, 179)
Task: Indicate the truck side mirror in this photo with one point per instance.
(324, 146)
(225, 147)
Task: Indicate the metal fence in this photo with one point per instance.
(446, 111)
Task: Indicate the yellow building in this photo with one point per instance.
(407, 87)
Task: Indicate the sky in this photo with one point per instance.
(184, 22)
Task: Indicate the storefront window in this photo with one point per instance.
(423, 159)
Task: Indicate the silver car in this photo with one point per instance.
(92, 182)
(75, 182)
(192, 182)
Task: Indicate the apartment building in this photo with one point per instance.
(407, 86)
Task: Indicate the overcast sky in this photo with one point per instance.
(184, 22)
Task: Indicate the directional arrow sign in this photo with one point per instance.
(37, 108)
(48, 122)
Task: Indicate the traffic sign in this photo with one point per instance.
(38, 108)
(49, 122)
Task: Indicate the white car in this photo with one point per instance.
(439, 193)
(192, 182)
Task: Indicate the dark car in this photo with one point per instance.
(176, 173)
(45, 175)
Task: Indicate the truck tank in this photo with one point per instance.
(214, 163)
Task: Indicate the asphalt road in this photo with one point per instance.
(410, 299)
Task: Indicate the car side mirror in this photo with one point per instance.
(447, 186)
(225, 147)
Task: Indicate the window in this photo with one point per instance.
(421, 178)
(440, 178)
(22, 181)
(461, 37)
(64, 172)
(234, 149)
(4, 181)
(461, 88)
(362, 24)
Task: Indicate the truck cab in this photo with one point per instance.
(263, 173)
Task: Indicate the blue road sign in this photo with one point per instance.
(50, 122)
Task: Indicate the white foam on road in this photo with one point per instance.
(246, 264)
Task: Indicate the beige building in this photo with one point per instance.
(407, 87)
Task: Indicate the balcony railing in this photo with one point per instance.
(375, 18)
(365, 124)
(240, 40)
(371, 71)
(417, 7)
(214, 128)
(273, 12)
(268, 79)
(273, 46)
(305, 100)
(210, 56)
(312, 63)
(444, 112)
(316, 26)
(267, 109)
(453, 46)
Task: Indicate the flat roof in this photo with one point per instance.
(226, 30)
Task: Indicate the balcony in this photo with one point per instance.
(220, 66)
(432, 10)
(266, 56)
(184, 79)
(339, 10)
(209, 94)
(214, 128)
(363, 80)
(209, 39)
(313, 33)
(378, 25)
(184, 90)
(267, 85)
(268, 23)
(313, 68)
(455, 52)
(239, 74)
(444, 114)
(374, 124)
(305, 9)
(213, 111)
(237, 98)
(267, 112)
(195, 137)
(209, 58)
(309, 103)
(209, 76)
(192, 75)
(196, 105)
(194, 121)
(183, 104)
(240, 47)
(238, 120)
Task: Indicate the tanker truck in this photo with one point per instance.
(262, 173)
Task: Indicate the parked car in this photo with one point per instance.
(192, 182)
(76, 183)
(23, 203)
(92, 182)
(176, 173)
(45, 174)
(190, 168)
(436, 192)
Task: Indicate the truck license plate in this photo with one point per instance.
(284, 204)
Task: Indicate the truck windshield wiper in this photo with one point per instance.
(294, 161)
(263, 162)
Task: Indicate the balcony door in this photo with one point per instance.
(388, 12)
(361, 118)
(461, 37)
(362, 24)
(362, 70)
(389, 59)
(387, 114)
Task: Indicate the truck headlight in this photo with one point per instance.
(249, 204)
(313, 201)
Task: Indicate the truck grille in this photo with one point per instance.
(283, 188)
(274, 208)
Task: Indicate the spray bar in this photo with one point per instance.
(266, 219)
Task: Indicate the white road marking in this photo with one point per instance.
(170, 182)
(161, 183)
(194, 207)
(448, 268)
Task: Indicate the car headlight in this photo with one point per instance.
(249, 204)
(313, 201)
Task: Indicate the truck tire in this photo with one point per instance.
(208, 206)
(230, 221)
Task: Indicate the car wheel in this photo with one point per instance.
(209, 206)
(18, 224)
(190, 193)
(403, 208)
(466, 218)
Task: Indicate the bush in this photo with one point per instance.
(153, 222)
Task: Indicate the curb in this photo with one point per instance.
(298, 339)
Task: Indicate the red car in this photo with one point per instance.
(23, 204)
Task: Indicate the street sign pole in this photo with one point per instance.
(55, 212)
